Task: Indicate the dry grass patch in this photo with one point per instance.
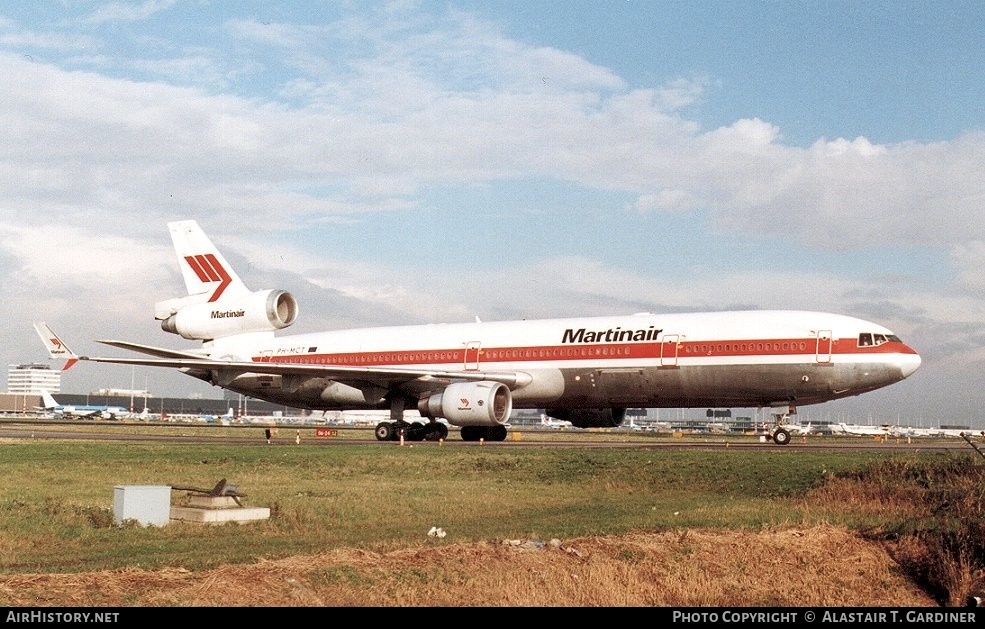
(823, 566)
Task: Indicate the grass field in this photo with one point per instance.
(57, 497)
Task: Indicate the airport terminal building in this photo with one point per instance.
(32, 377)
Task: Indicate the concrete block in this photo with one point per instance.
(212, 502)
(215, 516)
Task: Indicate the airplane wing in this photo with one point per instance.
(150, 350)
(388, 377)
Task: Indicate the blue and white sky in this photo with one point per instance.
(411, 162)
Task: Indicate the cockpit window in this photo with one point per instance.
(868, 339)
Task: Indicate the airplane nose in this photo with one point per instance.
(909, 363)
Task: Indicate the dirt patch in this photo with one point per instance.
(821, 566)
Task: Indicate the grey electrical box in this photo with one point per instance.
(149, 505)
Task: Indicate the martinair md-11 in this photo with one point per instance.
(585, 370)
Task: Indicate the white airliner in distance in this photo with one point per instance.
(861, 429)
(584, 370)
(798, 429)
(50, 405)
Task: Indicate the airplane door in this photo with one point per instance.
(824, 342)
(472, 351)
(668, 350)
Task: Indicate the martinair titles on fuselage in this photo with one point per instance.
(612, 335)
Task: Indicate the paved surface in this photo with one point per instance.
(308, 435)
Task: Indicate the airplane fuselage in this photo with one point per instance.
(718, 359)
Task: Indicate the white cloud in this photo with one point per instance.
(969, 260)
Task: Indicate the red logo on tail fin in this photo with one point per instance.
(208, 270)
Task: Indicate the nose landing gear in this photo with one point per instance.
(780, 436)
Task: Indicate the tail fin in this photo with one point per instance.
(56, 349)
(204, 269)
(48, 401)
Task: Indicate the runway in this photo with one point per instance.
(330, 436)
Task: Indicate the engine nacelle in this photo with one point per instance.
(590, 417)
(262, 311)
(470, 404)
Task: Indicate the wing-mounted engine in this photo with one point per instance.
(470, 404)
(590, 417)
(260, 311)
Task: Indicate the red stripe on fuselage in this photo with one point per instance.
(595, 351)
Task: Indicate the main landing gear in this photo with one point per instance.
(412, 431)
(435, 431)
(398, 427)
(431, 430)
(483, 433)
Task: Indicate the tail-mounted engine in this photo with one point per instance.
(590, 417)
(262, 311)
(470, 404)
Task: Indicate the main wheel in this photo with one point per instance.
(385, 431)
(496, 433)
(416, 431)
(436, 431)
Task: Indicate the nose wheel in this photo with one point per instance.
(780, 436)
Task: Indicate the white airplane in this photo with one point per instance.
(50, 405)
(863, 429)
(225, 419)
(799, 429)
(585, 370)
(909, 431)
(955, 432)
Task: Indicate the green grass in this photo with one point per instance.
(56, 500)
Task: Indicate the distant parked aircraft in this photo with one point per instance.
(799, 429)
(861, 429)
(80, 412)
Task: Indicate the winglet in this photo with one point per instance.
(56, 349)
